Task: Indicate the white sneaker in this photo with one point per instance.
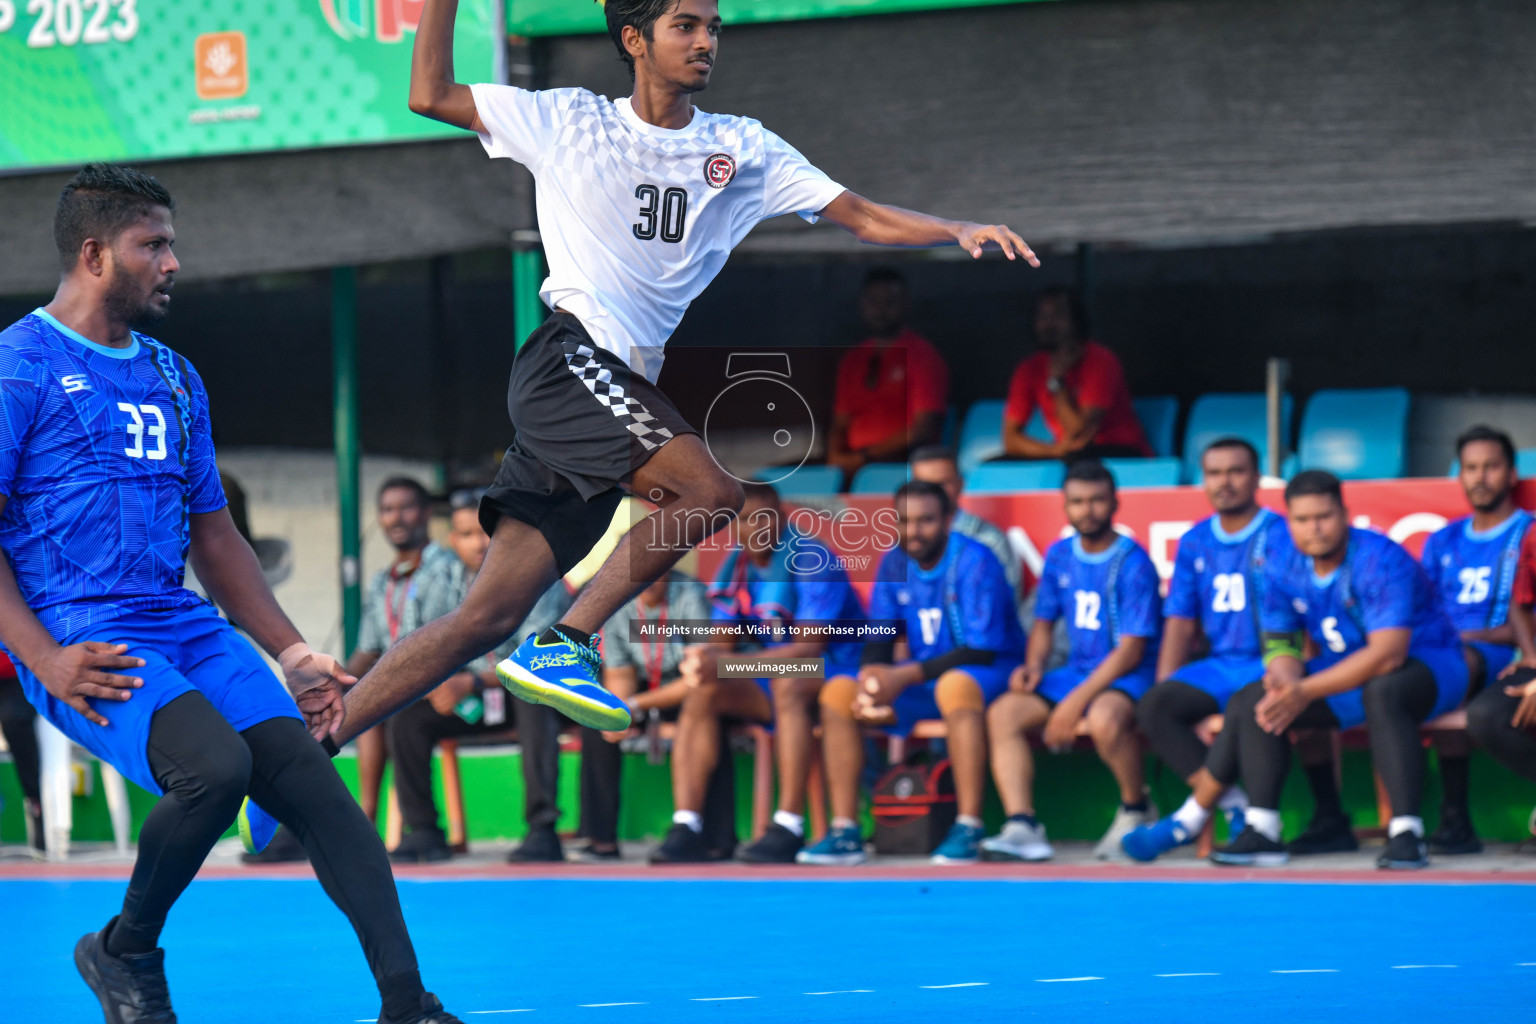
(1018, 841)
(1125, 821)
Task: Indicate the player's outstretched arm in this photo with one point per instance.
(877, 224)
(434, 91)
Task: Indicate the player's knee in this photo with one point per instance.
(1383, 696)
(1244, 701)
(221, 777)
(1485, 720)
(1152, 709)
(1109, 717)
(701, 701)
(956, 693)
(794, 696)
(837, 696)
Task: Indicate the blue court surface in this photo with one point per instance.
(634, 952)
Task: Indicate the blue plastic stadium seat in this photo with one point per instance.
(1357, 433)
(981, 436)
(1004, 477)
(1162, 472)
(1159, 414)
(1230, 415)
(879, 478)
(807, 481)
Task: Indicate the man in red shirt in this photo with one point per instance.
(1079, 387)
(892, 388)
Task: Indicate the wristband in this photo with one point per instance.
(1281, 645)
(329, 746)
(293, 656)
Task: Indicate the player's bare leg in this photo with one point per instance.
(964, 709)
(1112, 726)
(1011, 719)
(842, 747)
(794, 735)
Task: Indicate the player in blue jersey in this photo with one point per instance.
(777, 575)
(1389, 659)
(1107, 588)
(1214, 592)
(109, 486)
(959, 617)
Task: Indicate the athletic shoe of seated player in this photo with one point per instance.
(1022, 839)
(1455, 837)
(1405, 851)
(422, 846)
(842, 846)
(681, 845)
(1127, 819)
(1333, 833)
(131, 988)
(1251, 849)
(554, 670)
(777, 845)
(540, 846)
(432, 1012)
(961, 846)
(256, 826)
(1150, 842)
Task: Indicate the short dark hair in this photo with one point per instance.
(1314, 483)
(1233, 442)
(933, 453)
(1074, 303)
(1482, 432)
(99, 202)
(642, 14)
(405, 483)
(925, 489)
(885, 275)
(1089, 471)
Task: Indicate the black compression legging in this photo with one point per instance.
(1490, 720)
(18, 722)
(1395, 704)
(1168, 715)
(206, 769)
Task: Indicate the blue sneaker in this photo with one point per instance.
(257, 827)
(1150, 842)
(961, 846)
(840, 846)
(563, 675)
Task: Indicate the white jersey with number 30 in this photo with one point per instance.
(636, 220)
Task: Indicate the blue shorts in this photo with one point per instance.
(1056, 685)
(917, 703)
(184, 650)
(1496, 658)
(1221, 677)
(1447, 664)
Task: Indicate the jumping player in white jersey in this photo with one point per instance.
(640, 201)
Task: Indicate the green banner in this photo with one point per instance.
(574, 17)
(142, 79)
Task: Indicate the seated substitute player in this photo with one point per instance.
(1215, 589)
(1107, 587)
(777, 575)
(640, 202)
(936, 464)
(961, 624)
(110, 485)
(1390, 659)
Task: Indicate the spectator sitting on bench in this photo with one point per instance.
(1213, 591)
(1390, 659)
(775, 575)
(469, 702)
(1107, 587)
(961, 623)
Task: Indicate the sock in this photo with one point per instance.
(968, 820)
(1024, 819)
(123, 942)
(1405, 823)
(794, 822)
(560, 631)
(692, 819)
(401, 995)
(1233, 799)
(842, 823)
(1265, 821)
(1325, 790)
(1139, 807)
(1192, 816)
(1455, 783)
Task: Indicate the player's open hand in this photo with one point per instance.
(1061, 728)
(1024, 679)
(974, 238)
(1516, 666)
(877, 685)
(77, 674)
(1525, 713)
(318, 684)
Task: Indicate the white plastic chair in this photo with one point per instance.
(56, 758)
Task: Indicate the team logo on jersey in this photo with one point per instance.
(1300, 606)
(902, 597)
(1200, 565)
(719, 170)
(74, 382)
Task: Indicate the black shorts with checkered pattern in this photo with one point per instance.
(582, 423)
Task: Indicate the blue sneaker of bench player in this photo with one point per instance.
(843, 847)
(563, 675)
(1150, 842)
(257, 827)
(961, 846)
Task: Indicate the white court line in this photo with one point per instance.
(1420, 967)
(593, 1006)
(840, 992)
(720, 999)
(1310, 970)
(1088, 978)
(1197, 974)
(471, 1013)
(1525, 965)
(963, 984)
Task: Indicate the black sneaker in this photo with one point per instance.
(1331, 834)
(681, 845)
(425, 847)
(539, 846)
(1455, 836)
(131, 988)
(1405, 852)
(432, 1012)
(1251, 849)
(284, 848)
(778, 845)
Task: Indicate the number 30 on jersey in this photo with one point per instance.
(666, 211)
